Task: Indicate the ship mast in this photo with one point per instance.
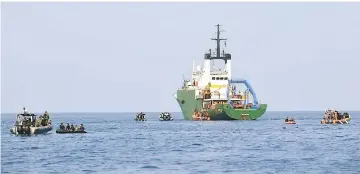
(225, 56)
(218, 39)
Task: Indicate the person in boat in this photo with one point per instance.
(76, 127)
(286, 119)
(82, 127)
(18, 120)
(325, 116)
(72, 128)
(41, 120)
(46, 117)
(26, 121)
(62, 127)
(33, 120)
(25, 111)
(68, 126)
(142, 116)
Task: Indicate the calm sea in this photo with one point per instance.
(115, 143)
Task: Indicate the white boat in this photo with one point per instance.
(27, 124)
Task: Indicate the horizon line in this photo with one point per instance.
(63, 112)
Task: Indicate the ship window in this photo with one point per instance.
(217, 78)
(221, 78)
(225, 78)
(213, 78)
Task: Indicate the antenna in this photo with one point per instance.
(218, 39)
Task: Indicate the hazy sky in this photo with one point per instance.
(132, 56)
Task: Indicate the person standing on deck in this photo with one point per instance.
(240, 94)
(46, 117)
(25, 111)
(18, 118)
(234, 90)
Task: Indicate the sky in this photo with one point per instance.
(131, 57)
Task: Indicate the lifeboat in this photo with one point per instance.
(290, 121)
(199, 116)
(332, 116)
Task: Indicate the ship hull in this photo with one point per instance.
(188, 104)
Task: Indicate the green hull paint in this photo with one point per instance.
(188, 103)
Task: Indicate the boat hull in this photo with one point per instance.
(188, 104)
(59, 131)
(344, 121)
(161, 119)
(290, 122)
(31, 130)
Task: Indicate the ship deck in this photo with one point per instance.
(223, 99)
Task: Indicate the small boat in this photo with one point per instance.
(332, 116)
(140, 117)
(290, 120)
(341, 121)
(64, 131)
(27, 124)
(165, 116)
(200, 116)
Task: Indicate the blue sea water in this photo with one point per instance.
(115, 143)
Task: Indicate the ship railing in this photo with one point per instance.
(218, 72)
(197, 72)
(221, 97)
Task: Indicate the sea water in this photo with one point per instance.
(115, 143)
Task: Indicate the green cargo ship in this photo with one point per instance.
(211, 93)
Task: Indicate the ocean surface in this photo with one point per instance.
(115, 143)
